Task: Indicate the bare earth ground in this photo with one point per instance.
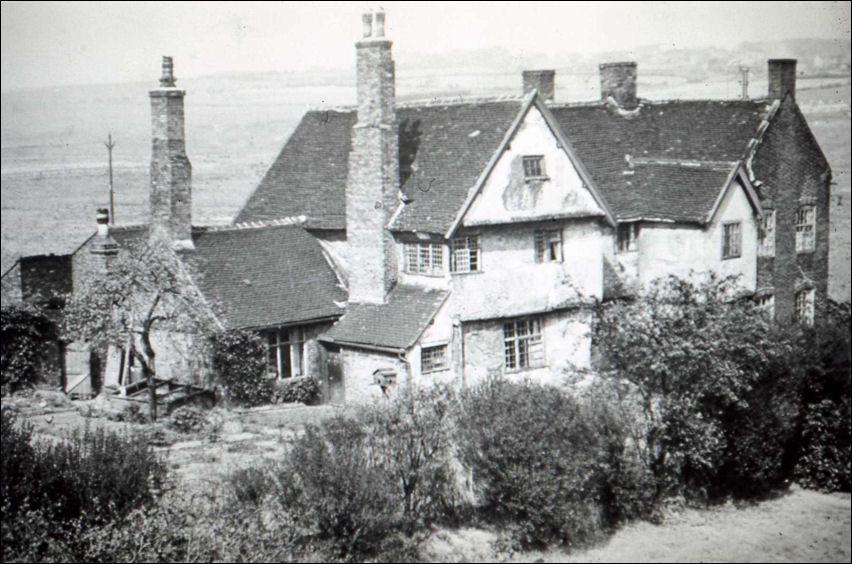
(800, 526)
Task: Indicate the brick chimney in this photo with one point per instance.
(541, 80)
(618, 80)
(372, 185)
(782, 77)
(171, 172)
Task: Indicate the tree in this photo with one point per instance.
(147, 289)
(705, 372)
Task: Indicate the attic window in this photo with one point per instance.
(424, 258)
(534, 167)
(732, 241)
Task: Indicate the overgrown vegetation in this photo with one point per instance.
(299, 390)
(24, 330)
(239, 363)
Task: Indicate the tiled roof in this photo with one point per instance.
(259, 277)
(443, 150)
(45, 276)
(704, 130)
(396, 324)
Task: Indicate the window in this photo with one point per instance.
(523, 344)
(534, 167)
(433, 359)
(424, 258)
(766, 237)
(626, 235)
(766, 303)
(732, 241)
(805, 307)
(548, 246)
(465, 254)
(285, 353)
(805, 227)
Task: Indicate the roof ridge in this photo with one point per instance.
(689, 163)
(297, 220)
(647, 101)
(459, 101)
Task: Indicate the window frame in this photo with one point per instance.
(766, 303)
(632, 240)
(294, 344)
(543, 241)
(434, 367)
(766, 235)
(533, 164)
(465, 250)
(429, 258)
(732, 251)
(806, 243)
(528, 344)
(805, 306)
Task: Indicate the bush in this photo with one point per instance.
(538, 461)
(239, 361)
(92, 478)
(24, 330)
(825, 462)
(188, 419)
(299, 390)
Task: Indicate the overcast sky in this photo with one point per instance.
(94, 42)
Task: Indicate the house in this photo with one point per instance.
(440, 241)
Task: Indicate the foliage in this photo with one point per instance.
(539, 461)
(239, 362)
(299, 390)
(49, 489)
(188, 419)
(147, 289)
(24, 329)
(712, 382)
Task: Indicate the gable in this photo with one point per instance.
(508, 196)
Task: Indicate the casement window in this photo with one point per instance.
(626, 235)
(805, 307)
(424, 258)
(465, 255)
(805, 229)
(523, 344)
(433, 359)
(534, 167)
(548, 246)
(732, 240)
(766, 304)
(766, 236)
(285, 352)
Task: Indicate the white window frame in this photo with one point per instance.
(465, 255)
(434, 358)
(806, 228)
(766, 303)
(548, 245)
(293, 345)
(627, 237)
(766, 235)
(523, 344)
(732, 240)
(424, 258)
(805, 306)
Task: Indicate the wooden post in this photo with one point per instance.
(109, 145)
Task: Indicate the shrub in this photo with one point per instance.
(90, 479)
(239, 361)
(24, 330)
(188, 419)
(331, 484)
(536, 461)
(299, 390)
(251, 485)
(825, 462)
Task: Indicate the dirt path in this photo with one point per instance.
(802, 526)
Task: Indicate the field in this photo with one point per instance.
(54, 171)
(797, 526)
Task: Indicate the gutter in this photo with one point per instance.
(377, 348)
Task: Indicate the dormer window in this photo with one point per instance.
(534, 167)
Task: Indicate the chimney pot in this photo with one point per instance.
(367, 20)
(541, 80)
(618, 80)
(782, 77)
(168, 78)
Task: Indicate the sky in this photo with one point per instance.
(57, 43)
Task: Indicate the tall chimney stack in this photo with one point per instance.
(618, 80)
(103, 246)
(782, 77)
(372, 185)
(541, 80)
(171, 172)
